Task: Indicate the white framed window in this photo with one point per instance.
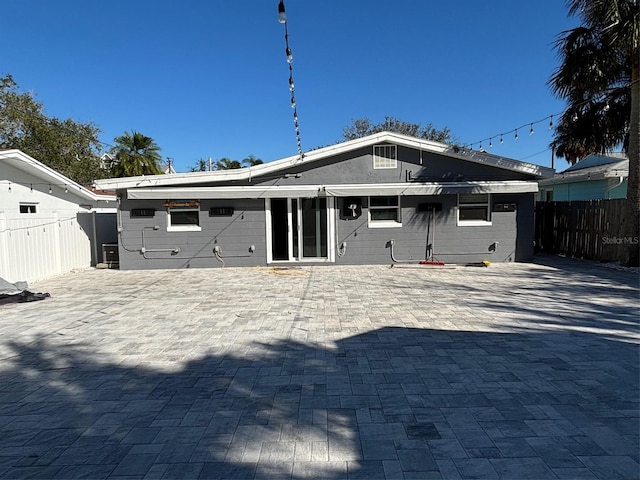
(384, 212)
(473, 209)
(385, 156)
(183, 219)
(28, 207)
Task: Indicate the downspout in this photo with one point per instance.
(620, 180)
(95, 240)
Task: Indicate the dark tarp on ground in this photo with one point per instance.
(18, 293)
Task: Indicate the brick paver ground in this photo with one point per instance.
(512, 371)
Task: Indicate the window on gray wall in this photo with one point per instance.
(384, 211)
(385, 156)
(183, 219)
(473, 209)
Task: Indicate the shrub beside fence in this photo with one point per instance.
(590, 229)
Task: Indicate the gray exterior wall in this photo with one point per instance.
(234, 234)
(451, 243)
(511, 231)
(357, 167)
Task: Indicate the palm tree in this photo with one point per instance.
(252, 161)
(136, 154)
(200, 166)
(599, 76)
(227, 164)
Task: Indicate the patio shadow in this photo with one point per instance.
(388, 403)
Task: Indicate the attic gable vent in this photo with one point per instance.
(385, 156)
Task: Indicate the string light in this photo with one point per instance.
(43, 186)
(282, 18)
(574, 117)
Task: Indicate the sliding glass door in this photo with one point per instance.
(299, 229)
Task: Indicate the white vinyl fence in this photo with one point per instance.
(33, 248)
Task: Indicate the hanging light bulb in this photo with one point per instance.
(291, 87)
(501, 140)
(531, 130)
(490, 142)
(282, 16)
(31, 187)
(575, 117)
(293, 102)
(550, 122)
(9, 187)
(606, 107)
(516, 135)
(289, 55)
(66, 190)
(49, 189)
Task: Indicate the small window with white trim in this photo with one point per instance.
(28, 207)
(385, 156)
(182, 219)
(473, 209)
(384, 211)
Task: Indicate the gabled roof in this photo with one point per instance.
(194, 178)
(592, 167)
(44, 174)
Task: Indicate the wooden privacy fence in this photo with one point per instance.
(591, 229)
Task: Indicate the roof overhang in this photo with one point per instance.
(312, 191)
(21, 161)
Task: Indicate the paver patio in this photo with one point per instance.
(512, 371)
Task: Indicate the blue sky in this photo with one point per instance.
(210, 78)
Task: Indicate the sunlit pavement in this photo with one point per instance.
(511, 371)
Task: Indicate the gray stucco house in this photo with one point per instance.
(374, 200)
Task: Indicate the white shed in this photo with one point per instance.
(49, 224)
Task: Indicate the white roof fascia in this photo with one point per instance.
(295, 161)
(312, 191)
(184, 193)
(49, 175)
(104, 210)
(431, 188)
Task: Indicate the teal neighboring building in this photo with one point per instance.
(595, 177)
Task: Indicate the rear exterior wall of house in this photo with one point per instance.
(240, 234)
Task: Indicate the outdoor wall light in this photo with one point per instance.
(282, 16)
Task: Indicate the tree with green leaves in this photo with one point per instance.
(599, 77)
(227, 164)
(362, 127)
(252, 161)
(201, 165)
(70, 147)
(135, 155)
